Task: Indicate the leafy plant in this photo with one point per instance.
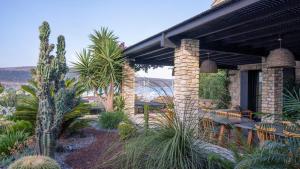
(10, 140)
(4, 124)
(215, 86)
(273, 155)
(35, 162)
(100, 67)
(111, 120)
(291, 104)
(21, 125)
(126, 130)
(27, 107)
(76, 125)
(8, 98)
(119, 103)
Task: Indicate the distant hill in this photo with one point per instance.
(14, 77)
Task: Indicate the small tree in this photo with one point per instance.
(100, 67)
(50, 74)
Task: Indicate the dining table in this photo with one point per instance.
(227, 123)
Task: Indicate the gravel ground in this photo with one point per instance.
(88, 149)
(70, 145)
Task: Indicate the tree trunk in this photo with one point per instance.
(110, 98)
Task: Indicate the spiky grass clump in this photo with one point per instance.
(171, 145)
(35, 162)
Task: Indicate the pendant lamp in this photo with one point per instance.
(208, 66)
(281, 57)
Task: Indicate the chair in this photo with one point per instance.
(265, 132)
(247, 113)
(207, 128)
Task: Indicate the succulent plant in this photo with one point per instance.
(50, 74)
(35, 162)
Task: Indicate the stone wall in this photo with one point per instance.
(186, 77)
(234, 88)
(128, 88)
(272, 88)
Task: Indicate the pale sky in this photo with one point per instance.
(131, 20)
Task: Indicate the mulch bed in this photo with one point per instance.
(104, 147)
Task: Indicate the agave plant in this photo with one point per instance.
(27, 107)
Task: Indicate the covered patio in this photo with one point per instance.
(240, 36)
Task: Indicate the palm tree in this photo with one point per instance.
(100, 67)
(27, 106)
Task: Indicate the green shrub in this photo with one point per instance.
(111, 120)
(21, 125)
(35, 162)
(126, 130)
(11, 140)
(4, 124)
(76, 125)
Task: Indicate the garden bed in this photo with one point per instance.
(92, 153)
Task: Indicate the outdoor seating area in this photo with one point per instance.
(232, 126)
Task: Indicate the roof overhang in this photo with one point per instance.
(235, 33)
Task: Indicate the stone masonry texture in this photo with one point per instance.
(186, 78)
(128, 88)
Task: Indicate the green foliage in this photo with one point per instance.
(119, 103)
(111, 120)
(100, 67)
(35, 162)
(224, 97)
(211, 84)
(1, 88)
(146, 117)
(291, 104)
(9, 140)
(126, 130)
(273, 155)
(27, 107)
(4, 124)
(215, 86)
(8, 98)
(167, 147)
(21, 125)
(76, 125)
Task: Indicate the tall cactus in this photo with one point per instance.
(54, 99)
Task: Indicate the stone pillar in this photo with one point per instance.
(234, 88)
(186, 78)
(128, 88)
(272, 97)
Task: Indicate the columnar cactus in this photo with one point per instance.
(54, 99)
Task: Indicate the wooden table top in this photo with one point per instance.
(243, 123)
(251, 126)
(226, 120)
